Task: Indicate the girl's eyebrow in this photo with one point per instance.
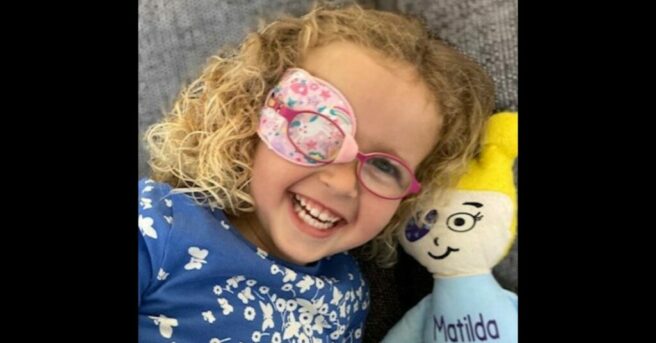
(475, 204)
(381, 146)
(387, 150)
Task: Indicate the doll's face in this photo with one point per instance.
(395, 113)
(466, 235)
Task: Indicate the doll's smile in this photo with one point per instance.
(449, 250)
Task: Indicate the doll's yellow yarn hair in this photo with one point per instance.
(493, 171)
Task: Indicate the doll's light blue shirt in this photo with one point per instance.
(461, 309)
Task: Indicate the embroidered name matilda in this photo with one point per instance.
(465, 331)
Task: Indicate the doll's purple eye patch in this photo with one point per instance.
(413, 232)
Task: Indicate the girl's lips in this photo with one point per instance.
(308, 229)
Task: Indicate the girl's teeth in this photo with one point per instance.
(309, 220)
(323, 215)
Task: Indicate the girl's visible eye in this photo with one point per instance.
(385, 166)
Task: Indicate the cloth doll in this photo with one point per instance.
(459, 240)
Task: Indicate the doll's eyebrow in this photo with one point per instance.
(475, 204)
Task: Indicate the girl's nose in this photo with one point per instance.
(341, 177)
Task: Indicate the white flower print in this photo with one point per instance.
(249, 313)
(147, 189)
(225, 305)
(149, 181)
(291, 305)
(280, 305)
(168, 219)
(294, 314)
(323, 309)
(334, 334)
(350, 276)
(305, 284)
(165, 324)
(146, 227)
(290, 275)
(197, 258)
(146, 203)
(168, 202)
(208, 317)
(275, 269)
(162, 275)
(307, 330)
(305, 318)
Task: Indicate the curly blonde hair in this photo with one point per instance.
(205, 145)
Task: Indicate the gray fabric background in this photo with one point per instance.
(177, 37)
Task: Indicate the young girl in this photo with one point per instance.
(318, 135)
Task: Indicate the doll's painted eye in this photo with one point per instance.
(462, 221)
(413, 232)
